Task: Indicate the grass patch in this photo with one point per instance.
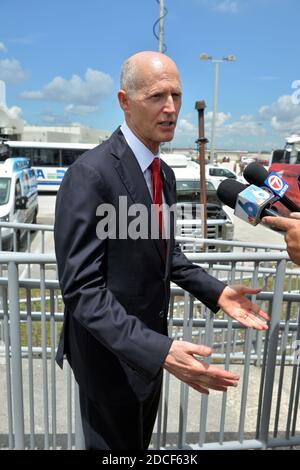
(36, 307)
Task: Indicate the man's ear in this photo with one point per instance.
(123, 99)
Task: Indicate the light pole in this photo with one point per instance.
(228, 58)
(261, 136)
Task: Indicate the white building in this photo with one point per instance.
(71, 134)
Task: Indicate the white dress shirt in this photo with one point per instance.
(144, 157)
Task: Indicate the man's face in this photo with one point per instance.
(152, 110)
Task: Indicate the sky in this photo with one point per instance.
(61, 59)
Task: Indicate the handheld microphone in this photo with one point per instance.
(256, 174)
(250, 203)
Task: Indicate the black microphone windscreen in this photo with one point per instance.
(228, 191)
(255, 173)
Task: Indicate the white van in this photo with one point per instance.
(219, 222)
(18, 197)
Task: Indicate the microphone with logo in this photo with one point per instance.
(250, 203)
(256, 174)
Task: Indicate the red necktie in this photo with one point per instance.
(157, 196)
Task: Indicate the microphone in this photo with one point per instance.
(256, 174)
(250, 203)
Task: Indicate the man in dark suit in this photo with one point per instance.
(116, 285)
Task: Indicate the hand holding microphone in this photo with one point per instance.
(291, 227)
(255, 173)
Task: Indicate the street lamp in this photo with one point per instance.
(261, 136)
(228, 58)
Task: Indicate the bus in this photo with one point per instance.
(286, 162)
(50, 160)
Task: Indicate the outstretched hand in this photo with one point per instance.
(182, 362)
(234, 303)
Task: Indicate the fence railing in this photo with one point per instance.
(28, 237)
(41, 401)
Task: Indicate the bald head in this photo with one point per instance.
(136, 69)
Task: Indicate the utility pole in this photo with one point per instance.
(214, 116)
(161, 26)
(200, 106)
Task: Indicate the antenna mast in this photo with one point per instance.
(160, 36)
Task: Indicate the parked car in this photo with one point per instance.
(219, 223)
(18, 197)
(217, 173)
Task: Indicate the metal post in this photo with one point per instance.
(161, 26)
(214, 116)
(16, 358)
(200, 106)
(272, 350)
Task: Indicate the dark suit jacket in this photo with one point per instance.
(116, 292)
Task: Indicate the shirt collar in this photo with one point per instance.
(143, 155)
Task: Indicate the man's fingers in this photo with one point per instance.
(283, 223)
(203, 388)
(257, 323)
(198, 387)
(295, 215)
(221, 373)
(251, 290)
(249, 318)
(261, 313)
(216, 381)
(201, 350)
(242, 289)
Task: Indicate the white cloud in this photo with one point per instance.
(226, 6)
(24, 40)
(246, 126)
(50, 118)
(11, 117)
(221, 118)
(14, 112)
(32, 95)
(2, 47)
(80, 110)
(245, 132)
(11, 71)
(77, 91)
(284, 114)
(185, 127)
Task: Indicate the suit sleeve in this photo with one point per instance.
(195, 279)
(81, 258)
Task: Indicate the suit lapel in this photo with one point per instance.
(169, 198)
(133, 179)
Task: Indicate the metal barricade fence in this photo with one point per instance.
(41, 401)
(28, 237)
